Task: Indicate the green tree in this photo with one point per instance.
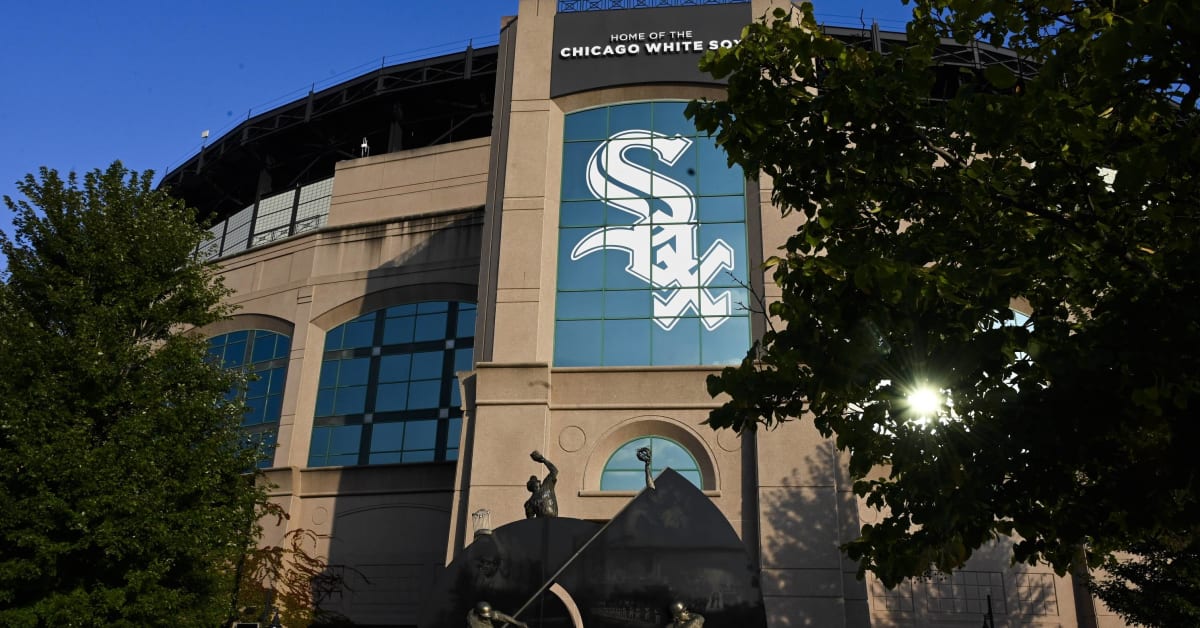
(123, 490)
(930, 199)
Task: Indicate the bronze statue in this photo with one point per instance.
(482, 615)
(543, 502)
(681, 617)
(643, 454)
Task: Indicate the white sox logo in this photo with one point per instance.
(662, 242)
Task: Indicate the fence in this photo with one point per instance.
(272, 218)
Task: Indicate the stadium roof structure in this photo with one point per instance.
(396, 107)
(424, 103)
(950, 56)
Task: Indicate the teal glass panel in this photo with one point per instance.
(465, 325)
(257, 387)
(669, 454)
(678, 179)
(264, 353)
(274, 409)
(586, 125)
(427, 365)
(354, 372)
(617, 260)
(669, 119)
(395, 368)
(333, 338)
(674, 218)
(350, 400)
(430, 327)
(324, 402)
(717, 177)
(254, 412)
(725, 241)
(577, 305)
(463, 359)
(624, 472)
(577, 343)
(722, 209)
(622, 480)
(633, 116)
(359, 332)
(387, 437)
(626, 342)
(264, 347)
(391, 397)
(422, 395)
(335, 445)
(678, 346)
(453, 433)
(625, 457)
(235, 354)
(728, 343)
(575, 179)
(628, 304)
(420, 434)
(398, 330)
(586, 273)
(582, 214)
(278, 377)
(329, 373)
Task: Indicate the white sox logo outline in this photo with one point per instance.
(662, 245)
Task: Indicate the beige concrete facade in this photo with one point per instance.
(413, 226)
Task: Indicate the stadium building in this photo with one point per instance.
(443, 265)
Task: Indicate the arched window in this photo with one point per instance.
(624, 472)
(265, 354)
(388, 391)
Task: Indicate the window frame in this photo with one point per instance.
(584, 328)
(639, 469)
(447, 412)
(265, 433)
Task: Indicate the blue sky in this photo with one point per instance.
(89, 82)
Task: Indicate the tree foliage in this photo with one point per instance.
(1065, 186)
(122, 484)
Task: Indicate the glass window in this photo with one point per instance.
(387, 392)
(336, 445)
(264, 354)
(624, 472)
(652, 237)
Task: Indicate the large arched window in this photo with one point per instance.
(264, 354)
(624, 472)
(388, 391)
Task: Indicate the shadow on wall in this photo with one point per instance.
(811, 512)
(805, 516)
(386, 524)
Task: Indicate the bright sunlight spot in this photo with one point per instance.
(924, 402)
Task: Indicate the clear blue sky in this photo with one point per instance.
(88, 82)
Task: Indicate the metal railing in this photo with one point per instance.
(574, 6)
(283, 215)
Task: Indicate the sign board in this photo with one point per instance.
(595, 49)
